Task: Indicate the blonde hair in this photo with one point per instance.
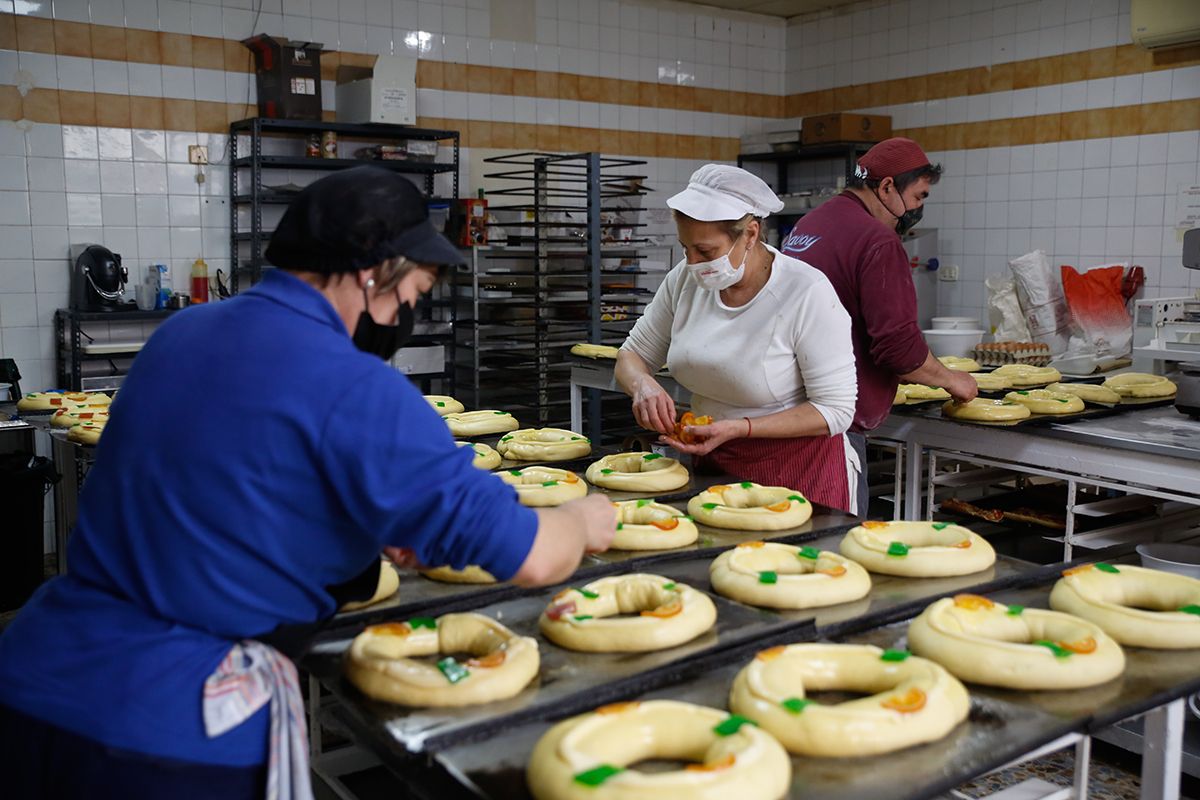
(390, 272)
(733, 228)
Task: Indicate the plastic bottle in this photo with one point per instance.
(164, 285)
(199, 281)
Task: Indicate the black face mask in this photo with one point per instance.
(907, 221)
(383, 340)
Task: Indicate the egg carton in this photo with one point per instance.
(997, 354)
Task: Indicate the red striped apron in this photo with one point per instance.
(815, 465)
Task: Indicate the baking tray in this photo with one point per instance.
(569, 682)
(1091, 411)
(418, 593)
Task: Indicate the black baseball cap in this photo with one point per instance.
(357, 218)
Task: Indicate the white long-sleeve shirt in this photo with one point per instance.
(790, 344)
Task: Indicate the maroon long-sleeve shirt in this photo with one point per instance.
(868, 268)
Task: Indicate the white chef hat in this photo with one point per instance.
(720, 192)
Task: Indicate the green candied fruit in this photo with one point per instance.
(644, 502)
(670, 587)
(651, 456)
(549, 483)
(797, 498)
(576, 438)
(581, 617)
(796, 704)
(894, 655)
(588, 593)
(1190, 609)
(1022, 391)
(747, 484)
(620, 526)
(732, 724)
(516, 472)
(940, 526)
(710, 506)
(506, 438)
(423, 622)
(440, 404)
(810, 553)
(766, 576)
(606, 472)
(1104, 567)
(898, 549)
(502, 413)
(598, 775)
(1062, 400)
(1058, 650)
(1015, 610)
(453, 670)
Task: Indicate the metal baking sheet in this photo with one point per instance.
(1091, 411)
(418, 593)
(568, 682)
(1160, 431)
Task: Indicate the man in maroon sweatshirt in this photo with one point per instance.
(854, 239)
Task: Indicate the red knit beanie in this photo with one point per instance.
(892, 157)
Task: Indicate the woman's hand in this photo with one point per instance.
(599, 518)
(404, 557)
(709, 437)
(652, 406)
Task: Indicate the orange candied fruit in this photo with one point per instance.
(874, 524)
(973, 602)
(725, 763)
(492, 659)
(771, 653)
(908, 703)
(666, 524)
(1081, 647)
(618, 708)
(663, 612)
(963, 545)
(391, 629)
(571, 478)
(1076, 570)
(754, 545)
(781, 506)
(719, 488)
(835, 572)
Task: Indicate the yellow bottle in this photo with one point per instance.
(199, 281)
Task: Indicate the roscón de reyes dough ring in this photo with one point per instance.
(68, 416)
(444, 404)
(990, 382)
(1088, 392)
(1044, 401)
(469, 574)
(747, 506)
(982, 641)
(382, 661)
(919, 391)
(588, 350)
(960, 364)
(647, 525)
(543, 444)
(590, 757)
(1027, 374)
(637, 472)
(388, 585)
(981, 409)
(480, 423)
(1141, 384)
(909, 700)
(41, 402)
(86, 432)
(916, 549)
(664, 614)
(1134, 605)
(485, 456)
(544, 486)
(777, 575)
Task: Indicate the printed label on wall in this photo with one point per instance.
(1187, 207)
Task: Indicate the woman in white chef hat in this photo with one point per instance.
(759, 338)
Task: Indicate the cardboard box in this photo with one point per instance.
(387, 93)
(289, 77)
(845, 127)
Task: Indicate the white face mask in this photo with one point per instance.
(719, 273)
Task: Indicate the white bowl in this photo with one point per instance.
(954, 323)
(953, 342)
(1183, 559)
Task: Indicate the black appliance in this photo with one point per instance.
(98, 280)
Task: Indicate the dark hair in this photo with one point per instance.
(903, 180)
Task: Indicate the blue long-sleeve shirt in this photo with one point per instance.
(253, 458)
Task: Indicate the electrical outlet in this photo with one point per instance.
(948, 272)
(197, 154)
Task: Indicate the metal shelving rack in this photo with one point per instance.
(248, 163)
(69, 335)
(551, 283)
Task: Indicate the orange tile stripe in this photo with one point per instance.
(39, 35)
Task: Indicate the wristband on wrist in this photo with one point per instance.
(749, 427)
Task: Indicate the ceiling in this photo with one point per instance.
(776, 8)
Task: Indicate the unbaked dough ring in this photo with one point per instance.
(544, 486)
(1088, 392)
(990, 382)
(41, 402)
(86, 433)
(444, 404)
(981, 641)
(380, 662)
(786, 576)
(68, 416)
(909, 700)
(637, 472)
(389, 584)
(901, 398)
(586, 757)
(1141, 384)
(960, 364)
(485, 456)
(1044, 401)
(647, 525)
(918, 549)
(543, 444)
(481, 423)
(668, 614)
(919, 391)
(1134, 605)
(981, 409)
(469, 574)
(1027, 374)
(747, 506)
(595, 350)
